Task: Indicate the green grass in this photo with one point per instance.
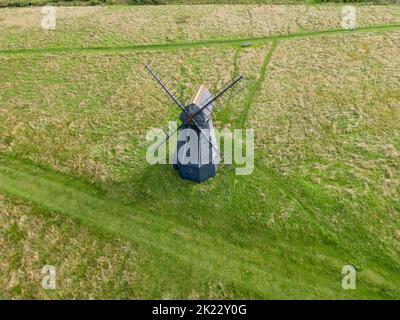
(87, 266)
(260, 265)
(324, 192)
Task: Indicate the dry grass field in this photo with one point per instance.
(121, 26)
(77, 193)
(87, 266)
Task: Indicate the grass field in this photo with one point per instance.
(119, 26)
(26, 3)
(76, 191)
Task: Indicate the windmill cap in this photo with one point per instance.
(199, 118)
(202, 94)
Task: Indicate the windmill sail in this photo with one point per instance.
(164, 87)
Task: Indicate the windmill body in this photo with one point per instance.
(200, 161)
(206, 160)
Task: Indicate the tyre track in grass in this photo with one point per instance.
(199, 44)
(256, 86)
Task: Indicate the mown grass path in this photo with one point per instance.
(200, 44)
(256, 86)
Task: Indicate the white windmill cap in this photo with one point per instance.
(202, 95)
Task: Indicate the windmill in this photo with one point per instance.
(196, 118)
